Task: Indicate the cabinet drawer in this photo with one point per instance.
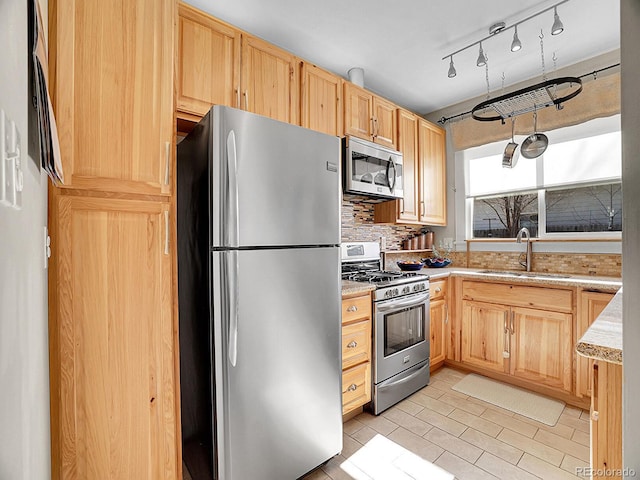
(356, 308)
(437, 289)
(356, 387)
(356, 343)
(519, 295)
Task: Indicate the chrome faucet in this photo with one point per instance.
(524, 232)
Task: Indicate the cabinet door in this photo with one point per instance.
(112, 87)
(358, 112)
(437, 345)
(541, 347)
(384, 122)
(432, 161)
(591, 305)
(269, 85)
(606, 420)
(208, 63)
(408, 145)
(321, 105)
(111, 340)
(483, 335)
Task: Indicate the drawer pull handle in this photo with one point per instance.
(352, 344)
(352, 388)
(352, 308)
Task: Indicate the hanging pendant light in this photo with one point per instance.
(516, 44)
(452, 70)
(482, 60)
(557, 27)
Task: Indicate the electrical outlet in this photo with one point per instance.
(11, 176)
(3, 152)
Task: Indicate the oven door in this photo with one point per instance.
(401, 335)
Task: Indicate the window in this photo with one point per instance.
(573, 189)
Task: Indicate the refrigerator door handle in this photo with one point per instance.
(233, 296)
(232, 191)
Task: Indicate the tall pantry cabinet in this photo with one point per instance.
(111, 314)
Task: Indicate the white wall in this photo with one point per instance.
(24, 358)
(629, 41)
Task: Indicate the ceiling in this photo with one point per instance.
(400, 44)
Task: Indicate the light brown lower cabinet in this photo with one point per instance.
(356, 352)
(438, 317)
(606, 420)
(112, 370)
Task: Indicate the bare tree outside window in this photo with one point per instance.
(502, 217)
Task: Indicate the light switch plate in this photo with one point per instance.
(3, 154)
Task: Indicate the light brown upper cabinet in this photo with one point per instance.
(208, 63)
(112, 87)
(368, 116)
(433, 174)
(321, 100)
(424, 175)
(269, 84)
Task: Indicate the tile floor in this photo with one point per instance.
(438, 433)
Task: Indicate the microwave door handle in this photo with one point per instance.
(413, 301)
(392, 185)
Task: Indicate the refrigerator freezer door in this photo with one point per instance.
(279, 408)
(273, 184)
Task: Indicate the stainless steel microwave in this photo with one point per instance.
(371, 169)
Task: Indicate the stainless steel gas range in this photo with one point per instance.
(400, 324)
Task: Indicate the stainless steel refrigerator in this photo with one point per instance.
(258, 205)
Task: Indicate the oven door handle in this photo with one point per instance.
(385, 306)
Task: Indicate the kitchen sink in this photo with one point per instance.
(526, 274)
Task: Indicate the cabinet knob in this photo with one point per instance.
(438, 289)
(352, 388)
(352, 344)
(595, 415)
(352, 308)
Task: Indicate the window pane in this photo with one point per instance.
(502, 217)
(488, 176)
(585, 209)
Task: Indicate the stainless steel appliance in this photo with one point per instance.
(371, 169)
(259, 297)
(400, 324)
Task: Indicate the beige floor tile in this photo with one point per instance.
(407, 421)
(350, 445)
(378, 423)
(559, 428)
(582, 438)
(498, 448)
(484, 426)
(574, 422)
(430, 391)
(463, 404)
(501, 469)
(409, 406)
(504, 411)
(445, 387)
(458, 447)
(363, 435)
(574, 465)
(416, 444)
(543, 469)
(511, 423)
(531, 446)
(352, 426)
(585, 415)
(419, 469)
(433, 404)
(572, 411)
(334, 470)
(317, 475)
(564, 445)
(462, 469)
(443, 423)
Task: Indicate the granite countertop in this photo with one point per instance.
(350, 287)
(603, 339)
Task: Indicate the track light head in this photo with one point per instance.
(516, 44)
(482, 60)
(452, 70)
(557, 27)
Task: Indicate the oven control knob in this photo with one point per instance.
(406, 290)
(416, 287)
(396, 292)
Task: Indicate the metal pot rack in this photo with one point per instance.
(529, 99)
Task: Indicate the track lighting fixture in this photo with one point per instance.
(452, 70)
(557, 27)
(516, 44)
(499, 27)
(482, 60)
